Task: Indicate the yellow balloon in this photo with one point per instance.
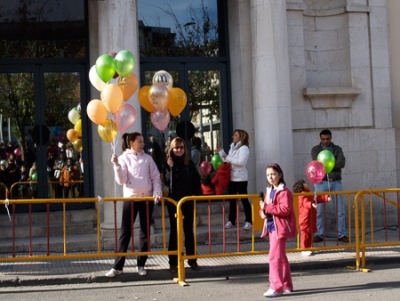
(108, 131)
(128, 85)
(144, 99)
(112, 97)
(78, 145)
(72, 135)
(96, 111)
(78, 127)
(177, 101)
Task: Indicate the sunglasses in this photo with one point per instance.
(178, 147)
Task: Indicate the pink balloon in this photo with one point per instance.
(160, 119)
(315, 171)
(17, 152)
(125, 117)
(205, 167)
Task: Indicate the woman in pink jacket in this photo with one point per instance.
(279, 225)
(139, 175)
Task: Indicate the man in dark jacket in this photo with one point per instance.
(331, 182)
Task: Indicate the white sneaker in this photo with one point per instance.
(113, 273)
(229, 225)
(306, 253)
(247, 226)
(141, 271)
(270, 293)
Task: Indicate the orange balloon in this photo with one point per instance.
(144, 99)
(108, 130)
(128, 85)
(77, 144)
(96, 111)
(112, 97)
(177, 101)
(78, 127)
(72, 135)
(158, 96)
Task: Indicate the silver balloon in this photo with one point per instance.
(4, 162)
(163, 77)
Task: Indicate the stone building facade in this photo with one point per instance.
(299, 66)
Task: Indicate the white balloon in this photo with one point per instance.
(95, 79)
(74, 116)
(163, 77)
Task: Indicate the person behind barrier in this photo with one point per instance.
(237, 157)
(4, 178)
(139, 175)
(58, 166)
(182, 178)
(331, 182)
(307, 214)
(69, 174)
(196, 152)
(279, 224)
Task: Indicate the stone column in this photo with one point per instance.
(117, 30)
(271, 88)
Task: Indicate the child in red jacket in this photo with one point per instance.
(307, 214)
(207, 186)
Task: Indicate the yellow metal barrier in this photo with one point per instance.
(66, 255)
(256, 231)
(365, 202)
(4, 191)
(362, 216)
(26, 189)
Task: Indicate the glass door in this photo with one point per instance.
(36, 104)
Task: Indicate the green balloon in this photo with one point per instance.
(124, 63)
(216, 161)
(327, 159)
(105, 67)
(34, 176)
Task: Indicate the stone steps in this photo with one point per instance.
(82, 232)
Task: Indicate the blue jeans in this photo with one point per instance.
(339, 206)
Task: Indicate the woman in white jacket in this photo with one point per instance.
(237, 156)
(139, 175)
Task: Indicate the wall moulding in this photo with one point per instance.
(331, 97)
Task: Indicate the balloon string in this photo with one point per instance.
(329, 185)
(315, 193)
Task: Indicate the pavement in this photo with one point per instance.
(74, 271)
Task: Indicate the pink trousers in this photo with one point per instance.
(280, 277)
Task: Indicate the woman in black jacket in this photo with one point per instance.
(183, 180)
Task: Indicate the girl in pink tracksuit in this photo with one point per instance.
(279, 225)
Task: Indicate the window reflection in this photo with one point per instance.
(178, 28)
(45, 29)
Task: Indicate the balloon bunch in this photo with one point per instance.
(75, 135)
(206, 167)
(110, 113)
(161, 99)
(316, 169)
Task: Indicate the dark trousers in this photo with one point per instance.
(187, 211)
(129, 213)
(239, 188)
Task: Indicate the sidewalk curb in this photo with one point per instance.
(205, 272)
